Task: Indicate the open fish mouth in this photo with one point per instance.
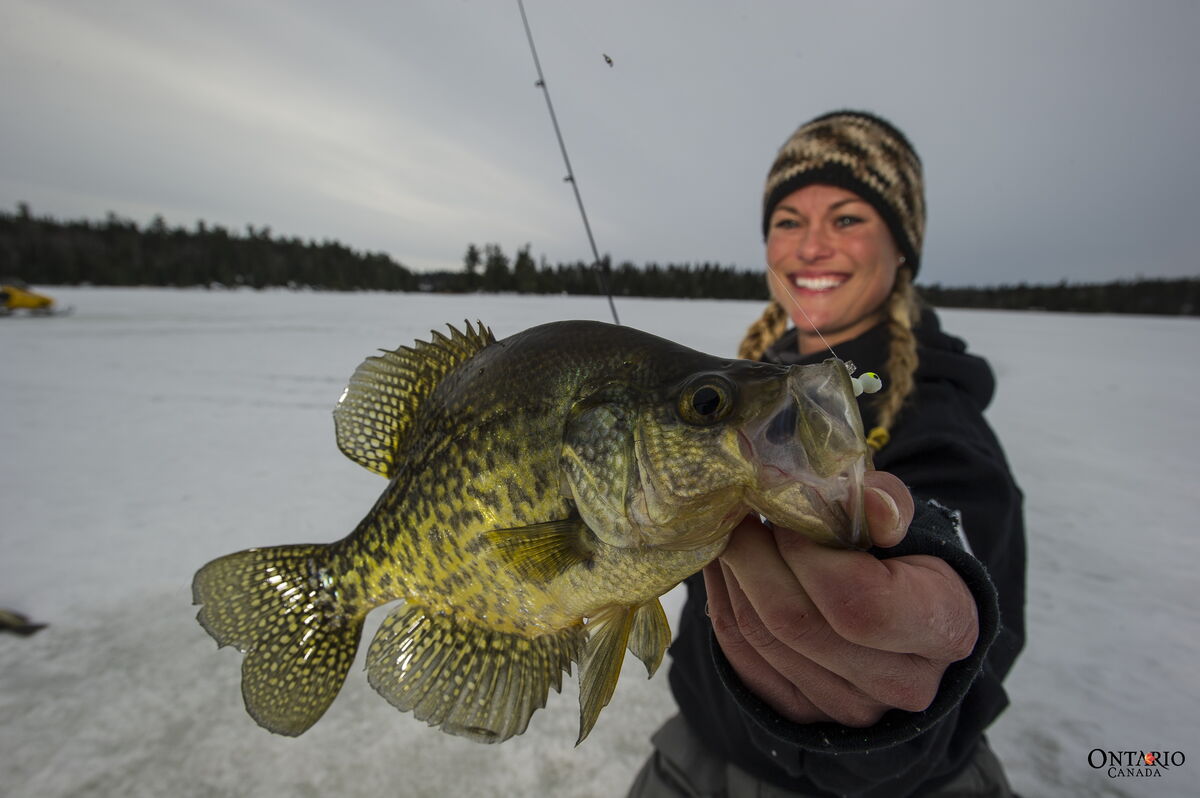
(810, 457)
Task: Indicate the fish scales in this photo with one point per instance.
(544, 490)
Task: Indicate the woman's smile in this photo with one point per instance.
(820, 283)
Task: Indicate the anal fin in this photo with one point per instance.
(471, 681)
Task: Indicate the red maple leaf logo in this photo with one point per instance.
(1150, 759)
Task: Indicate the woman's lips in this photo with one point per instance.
(818, 283)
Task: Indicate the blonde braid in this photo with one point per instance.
(904, 308)
(765, 331)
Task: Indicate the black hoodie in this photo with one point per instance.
(944, 451)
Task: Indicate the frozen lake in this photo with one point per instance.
(153, 430)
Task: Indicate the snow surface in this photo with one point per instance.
(153, 430)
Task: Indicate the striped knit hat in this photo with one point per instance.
(860, 152)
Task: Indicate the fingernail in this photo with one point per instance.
(890, 504)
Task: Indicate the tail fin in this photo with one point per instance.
(274, 605)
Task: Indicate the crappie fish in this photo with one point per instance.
(544, 490)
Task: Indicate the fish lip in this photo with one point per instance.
(840, 517)
(745, 447)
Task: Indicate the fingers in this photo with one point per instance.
(770, 612)
(800, 688)
(889, 507)
(911, 605)
(763, 679)
(833, 634)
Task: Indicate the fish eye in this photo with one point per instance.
(706, 400)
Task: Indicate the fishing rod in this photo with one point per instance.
(602, 272)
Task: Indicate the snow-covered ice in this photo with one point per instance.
(153, 430)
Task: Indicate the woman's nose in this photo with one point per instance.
(814, 245)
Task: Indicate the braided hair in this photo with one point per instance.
(903, 311)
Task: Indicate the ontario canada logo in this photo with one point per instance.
(1135, 764)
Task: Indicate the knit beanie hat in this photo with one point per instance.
(862, 153)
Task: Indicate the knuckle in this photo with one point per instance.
(771, 627)
(725, 627)
(792, 626)
(962, 643)
(755, 632)
(858, 714)
(860, 615)
(961, 627)
(963, 635)
(905, 688)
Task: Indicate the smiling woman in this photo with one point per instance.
(805, 670)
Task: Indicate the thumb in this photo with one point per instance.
(889, 508)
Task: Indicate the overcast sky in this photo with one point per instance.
(1060, 137)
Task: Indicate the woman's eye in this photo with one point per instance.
(847, 221)
(786, 224)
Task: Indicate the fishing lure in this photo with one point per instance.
(869, 382)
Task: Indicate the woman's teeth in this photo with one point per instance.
(823, 283)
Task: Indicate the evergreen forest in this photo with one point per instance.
(117, 252)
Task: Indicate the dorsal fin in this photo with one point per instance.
(377, 408)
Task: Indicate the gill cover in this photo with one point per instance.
(599, 465)
(658, 470)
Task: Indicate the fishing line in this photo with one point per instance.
(800, 308)
(602, 270)
(869, 382)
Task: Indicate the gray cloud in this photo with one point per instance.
(1058, 138)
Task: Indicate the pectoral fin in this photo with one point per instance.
(540, 552)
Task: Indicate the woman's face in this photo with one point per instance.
(830, 253)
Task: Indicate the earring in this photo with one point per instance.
(902, 259)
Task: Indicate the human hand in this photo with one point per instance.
(824, 634)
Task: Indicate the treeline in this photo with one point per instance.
(1171, 297)
(117, 252)
(489, 269)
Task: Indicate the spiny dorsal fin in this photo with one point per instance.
(376, 410)
(540, 552)
(469, 680)
(650, 635)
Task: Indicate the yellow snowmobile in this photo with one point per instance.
(16, 295)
